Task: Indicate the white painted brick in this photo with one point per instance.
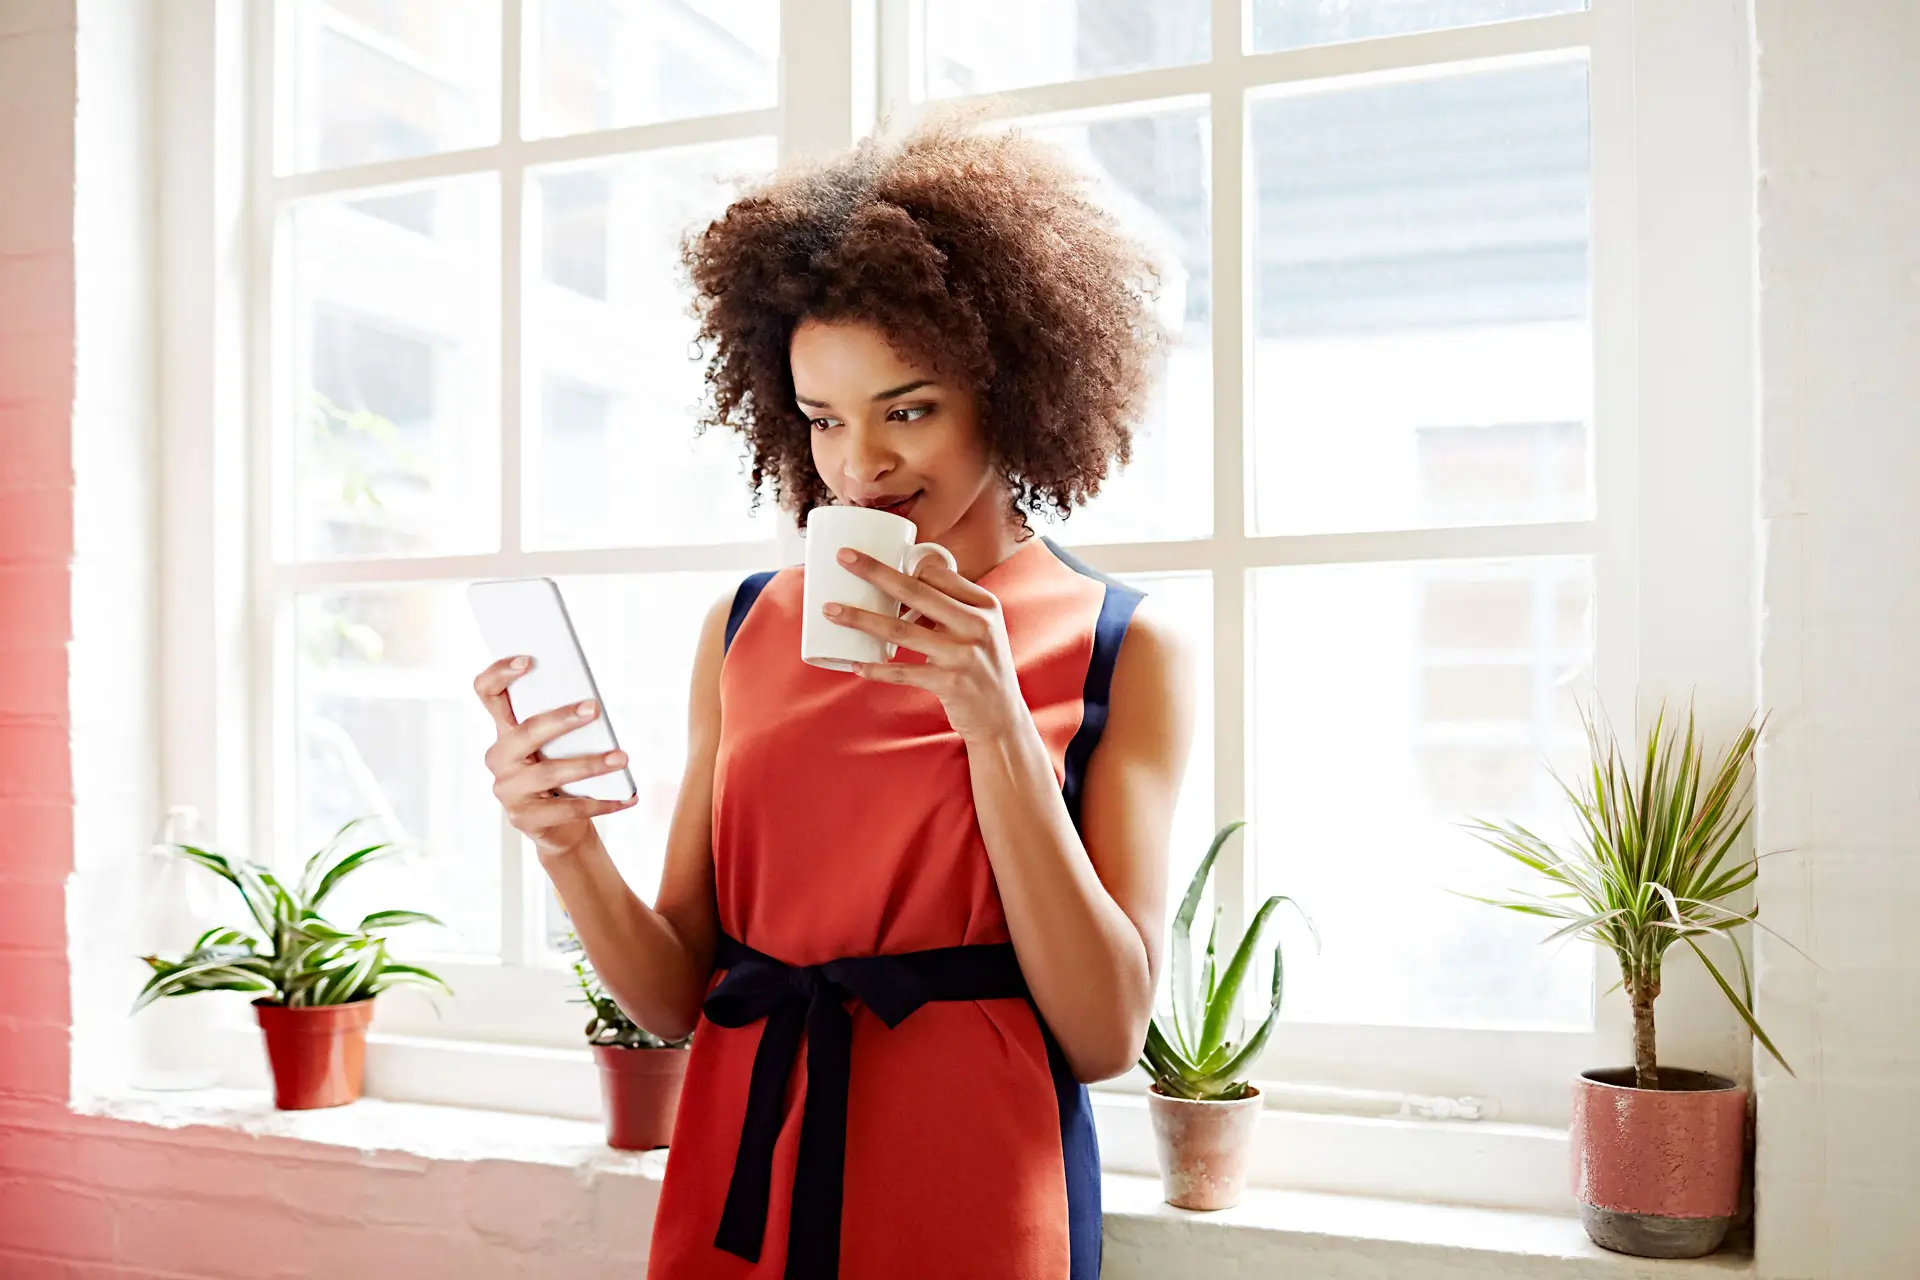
(1853, 886)
(1836, 203)
(23, 17)
(36, 293)
(1863, 794)
(1792, 1228)
(1873, 1136)
(1866, 1023)
(1872, 1233)
(36, 146)
(36, 369)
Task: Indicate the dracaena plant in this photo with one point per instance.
(1651, 863)
(609, 1024)
(291, 952)
(1203, 1052)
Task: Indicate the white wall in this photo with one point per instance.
(1838, 272)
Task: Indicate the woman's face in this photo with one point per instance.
(887, 431)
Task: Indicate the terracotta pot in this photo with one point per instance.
(640, 1090)
(1657, 1171)
(1202, 1147)
(318, 1054)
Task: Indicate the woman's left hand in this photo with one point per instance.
(969, 664)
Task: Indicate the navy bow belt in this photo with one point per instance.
(796, 998)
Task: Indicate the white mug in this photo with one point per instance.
(886, 537)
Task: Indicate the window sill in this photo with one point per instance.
(1271, 1231)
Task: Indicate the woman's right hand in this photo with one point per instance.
(528, 786)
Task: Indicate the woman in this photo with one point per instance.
(911, 911)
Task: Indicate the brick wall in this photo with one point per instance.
(1838, 205)
(37, 95)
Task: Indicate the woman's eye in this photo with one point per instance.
(917, 410)
(820, 424)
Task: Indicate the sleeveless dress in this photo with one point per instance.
(879, 1097)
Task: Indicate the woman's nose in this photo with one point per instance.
(868, 457)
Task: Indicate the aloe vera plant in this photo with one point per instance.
(1651, 863)
(1204, 1053)
(297, 957)
(609, 1024)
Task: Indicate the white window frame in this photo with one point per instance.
(1665, 415)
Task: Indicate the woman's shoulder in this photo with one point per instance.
(771, 591)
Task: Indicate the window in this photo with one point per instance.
(1372, 470)
(1373, 480)
(477, 367)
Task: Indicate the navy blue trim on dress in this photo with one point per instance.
(1079, 1144)
(1080, 1149)
(743, 601)
(796, 999)
(1116, 611)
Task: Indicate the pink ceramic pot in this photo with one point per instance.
(1657, 1171)
(1203, 1147)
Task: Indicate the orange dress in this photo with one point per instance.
(872, 1094)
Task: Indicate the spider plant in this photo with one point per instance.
(609, 1024)
(1651, 863)
(1203, 1052)
(297, 956)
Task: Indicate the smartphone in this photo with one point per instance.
(528, 616)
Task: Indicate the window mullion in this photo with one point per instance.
(1233, 878)
(517, 901)
(826, 74)
(1616, 413)
(899, 76)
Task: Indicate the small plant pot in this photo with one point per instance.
(640, 1090)
(1657, 1171)
(1203, 1147)
(318, 1054)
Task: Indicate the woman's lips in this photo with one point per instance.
(900, 507)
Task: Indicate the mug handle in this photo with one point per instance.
(917, 556)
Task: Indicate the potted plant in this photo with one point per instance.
(320, 979)
(1658, 1152)
(640, 1074)
(1204, 1109)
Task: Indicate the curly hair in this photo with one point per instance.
(978, 252)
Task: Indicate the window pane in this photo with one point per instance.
(612, 457)
(376, 80)
(1439, 692)
(395, 372)
(1293, 24)
(599, 64)
(1422, 352)
(387, 727)
(640, 634)
(980, 46)
(1150, 170)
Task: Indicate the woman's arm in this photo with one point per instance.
(656, 961)
(1086, 910)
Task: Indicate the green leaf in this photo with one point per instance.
(347, 866)
(223, 966)
(1224, 1002)
(395, 919)
(1186, 1021)
(394, 973)
(1652, 859)
(1742, 1004)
